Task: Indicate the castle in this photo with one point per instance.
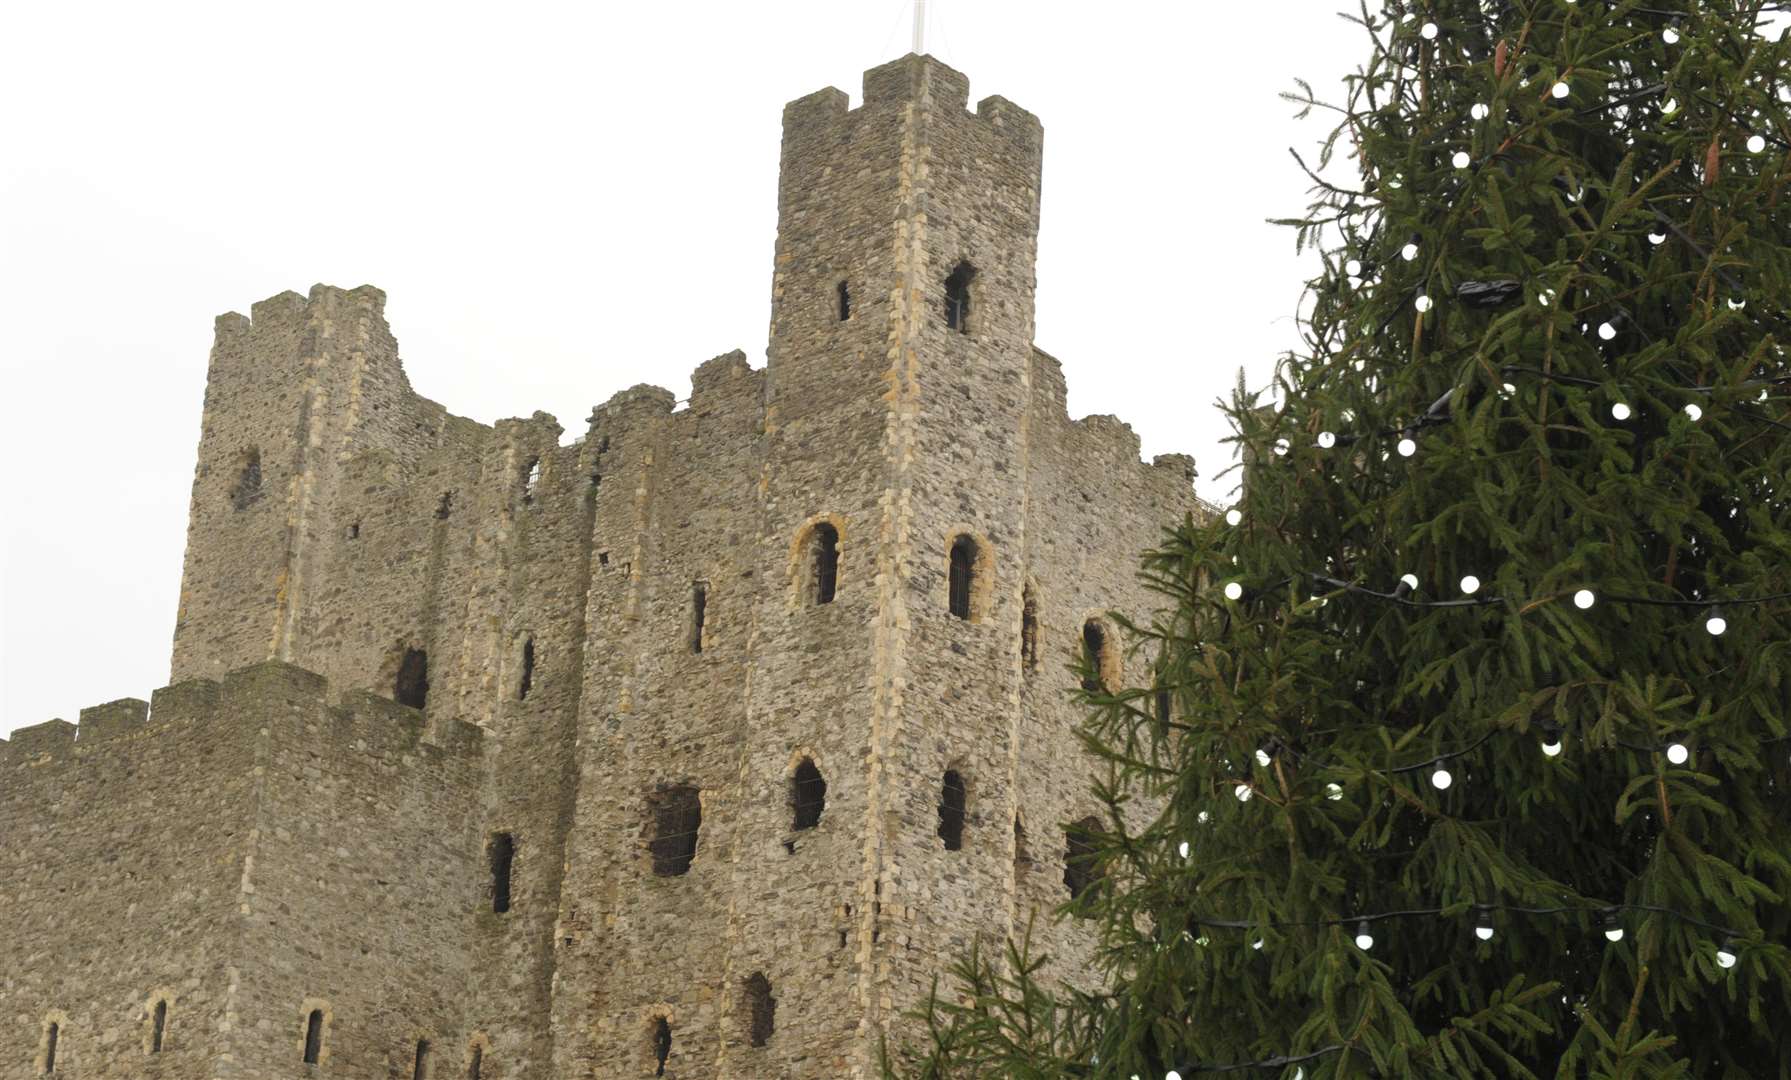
(697, 747)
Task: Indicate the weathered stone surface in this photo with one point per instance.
(278, 836)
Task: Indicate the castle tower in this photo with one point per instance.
(697, 747)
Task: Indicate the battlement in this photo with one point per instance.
(270, 699)
(913, 79)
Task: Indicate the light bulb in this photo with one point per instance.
(1561, 90)
(1233, 517)
(1551, 746)
(1620, 411)
(1423, 303)
(1326, 440)
(1262, 758)
(1409, 252)
(1233, 591)
(1678, 754)
(1613, 934)
(1461, 160)
(1715, 624)
(1606, 331)
(1672, 106)
(1364, 940)
(1183, 849)
(1694, 412)
(1410, 581)
(1202, 817)
(1479, 111)
(1509, 389)
(1407, 447)
(1353, 268)
(1281, 447)
(1428, 31)
(1441, 779)
(1484, 933)
(1172, 1075)
(1670, 36)
(1657, 238)
(1756, 143)
(1334, 792)
(1725, 957)
(1470, 584)
(1736, 303)
(1545, 296)
(1243, 792)
(1257, 944)
(1584, 599)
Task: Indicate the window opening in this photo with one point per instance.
(845, 302)
(1029, 631)
(1094, 655)
(503, 855)
(1080, 871)
(527, 681)
(531, 480)
(1022, 857)
(761, 1009)
(951, 811)
(677, 815)
(699, 606)
(420, 1066)
(313, 1036)
(957, 298)
(354, 530)
(445, 506)
(963, 563)
(475, 1067)
(826, 542)
(248, 481)
(51, 1037)
(160, 1028)
(808, 792)
(662, 1043)
(412, 686)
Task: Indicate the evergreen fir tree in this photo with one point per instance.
(1478, 756)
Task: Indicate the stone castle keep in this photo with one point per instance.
(694, 748)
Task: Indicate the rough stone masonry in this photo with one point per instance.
(694, 748)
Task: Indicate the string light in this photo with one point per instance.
(1183, 849)
(1561, 90)
(1243, 792)
(1423, 303)
(1483, 922)
(1670, 36)
(1606, 331)
(1725, 955)
(1409, 252)
(1551, 740)
(1694, 412)
(1657, 238)
(1613, 930)
(1461, 159)
(1714, 623)
(1353, 268)
(1441, 779)
(1262, 758)
(1480, 111)
(1234, 517)
(1620, 411)
(1470, 585)
(1334, 792)
(1584, 599)
(1364, 939)
(1326, 440)
(1233, 591)
(1407, 446)
(1756, 143)
(1678, 754)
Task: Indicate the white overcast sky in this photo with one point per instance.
(560, 202)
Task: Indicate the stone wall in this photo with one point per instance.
(341, 523)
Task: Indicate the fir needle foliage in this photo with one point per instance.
(1564, 223)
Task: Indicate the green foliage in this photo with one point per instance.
(1327, 693)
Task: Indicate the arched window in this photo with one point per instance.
(503, 855)
(808, 794)
(420, 1063)
(313, 1036)
(248, 480)
(412, 685)
(845, 298)
(957, 297)
(526, 680)
(158, 1027)
(531, 479)
(677, 816)
(1094, 656)
(1081, 871)
(761, 1009)
(824, 562)
(963, 571)
(952, 797)
(699, 610)
(662, 1043)
(1029, 630)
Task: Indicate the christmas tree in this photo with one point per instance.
(1467, 747)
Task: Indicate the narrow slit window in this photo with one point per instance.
(503, 858)
(1022, 857)
(1029, 631)
(526, 681)
(475, 1064)
(420, 1063)
(951, 810)
(957, 297)
(248, 481)
(445, 506)
(662, 1043)
(1094, 655)
(845, 297)
(52, 1035)
(531, 480)
(1165, 709)
(963, 569)
(354, 530)
(761, 1009)
(1081, 872)
(677, 816)
(826, 544)
(313, 1036)
(808, 793)
(412, 685)
(699, 609)
(159, 1029)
